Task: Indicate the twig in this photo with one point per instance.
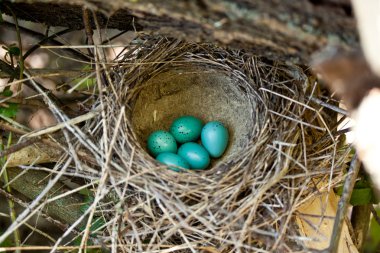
(11, 204)
(329, 106)
(21, 59)
(62, 125)
(88, 28)
(34, 229)
(343, 203)
(102, 57)
(12, 72)
(108, 40)
(374, 213)
(99, 194)
(36, 204)
(47, 39)
(8, 127)
(169, 248)
(7, 69)
(35, 103)
(41, 37)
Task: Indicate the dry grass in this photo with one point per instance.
(247, 203)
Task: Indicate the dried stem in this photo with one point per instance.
(344, 203)
(13, 215)
(88, 28)
(43, 38)
(374, 213)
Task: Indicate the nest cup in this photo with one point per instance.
(183, 82)
(203, 92)
(243, 202)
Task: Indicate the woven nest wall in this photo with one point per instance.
(247, 201)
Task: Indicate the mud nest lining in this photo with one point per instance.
(247, 200)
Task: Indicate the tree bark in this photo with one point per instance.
(279, 29)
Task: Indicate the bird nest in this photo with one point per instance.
(281, 146)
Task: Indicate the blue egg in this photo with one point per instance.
(186, 128)
(173, 160)
(195, 155)
(214, 138)
(160, 142)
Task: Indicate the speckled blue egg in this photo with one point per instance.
(160, 142)
(195, 155)
(186, 129)
(172, 159)
(214, 138)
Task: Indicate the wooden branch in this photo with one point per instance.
(286, 30)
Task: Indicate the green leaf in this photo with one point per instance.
(8, 242)
(99, 222)
(77, 241)
(83, 208)
(361, 184)
(9, 111)
(7, 92)
(14, 51)
(85, 83)
(96, 223)
(89, 199)
(86, 192)
(372, 243)
(87, 203)
(361, 195)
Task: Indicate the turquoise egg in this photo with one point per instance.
(186, 128)
(195, 155)
(214, 138)
(160, 142)
(173, 160)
